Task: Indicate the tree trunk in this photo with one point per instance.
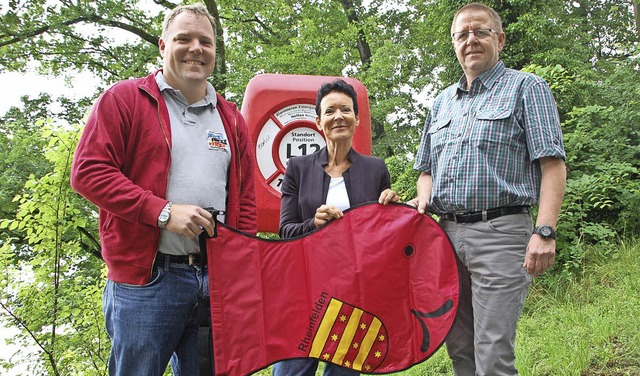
(636, 13)
(363, 45)
(220, 70)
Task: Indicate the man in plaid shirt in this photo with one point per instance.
(492, 147)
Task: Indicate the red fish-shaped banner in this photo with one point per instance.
(376, 291)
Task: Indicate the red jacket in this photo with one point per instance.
(122, 164)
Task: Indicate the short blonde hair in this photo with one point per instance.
(495, 17)
(198, 9)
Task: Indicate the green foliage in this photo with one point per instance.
(598, 208)
(403, 176)
(21, 155)
(65, 35)
(53, 296)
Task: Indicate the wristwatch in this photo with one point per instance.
(164, 216)
(545, 231)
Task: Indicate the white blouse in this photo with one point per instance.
(337, 195)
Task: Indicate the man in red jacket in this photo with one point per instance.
(156, 151)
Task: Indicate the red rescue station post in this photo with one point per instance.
(280, 113)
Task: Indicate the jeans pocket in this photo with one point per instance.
(156, 276)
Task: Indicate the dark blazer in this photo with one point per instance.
(306, 184)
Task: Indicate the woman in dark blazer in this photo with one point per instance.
(306, 184)
(317, 188)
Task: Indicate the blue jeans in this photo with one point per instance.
(308, 367)
(157, 323)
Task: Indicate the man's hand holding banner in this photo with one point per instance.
(376, 291)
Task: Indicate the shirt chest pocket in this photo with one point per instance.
(439, 132)
(494, 114)
(496, 125)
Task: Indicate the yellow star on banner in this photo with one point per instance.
(326, 356)
(347, 364)
(363, 326)
(334, 337)
(356, 345)
(378, 354)
(381, 337)
(343, 318)
(367, 367)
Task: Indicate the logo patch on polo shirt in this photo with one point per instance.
(216, 141)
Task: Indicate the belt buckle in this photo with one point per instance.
(191, 258)
(484, 216)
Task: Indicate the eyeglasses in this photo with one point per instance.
(462, 36)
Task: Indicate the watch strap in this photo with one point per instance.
(165, 214)
(545, 231)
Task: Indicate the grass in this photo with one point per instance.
(584, 325)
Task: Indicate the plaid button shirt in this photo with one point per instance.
(481, 145)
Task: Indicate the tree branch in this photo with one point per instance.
(166, 4)
(95, 250)
(23, 325)
(130, 28)
(363, 46)
(38, 31)
(220, 70)
(94, 18)
(259, 22)
(636, 14)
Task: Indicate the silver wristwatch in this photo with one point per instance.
(164, 216)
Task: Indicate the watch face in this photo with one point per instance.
(163, 216)
(545, 231)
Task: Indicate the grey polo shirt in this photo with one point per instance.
(200, 158)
